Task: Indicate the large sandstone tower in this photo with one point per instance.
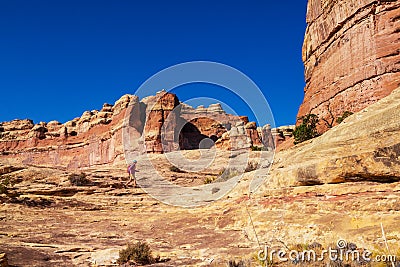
(351, 54)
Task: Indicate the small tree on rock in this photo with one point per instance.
(344, 116)
(307, 129)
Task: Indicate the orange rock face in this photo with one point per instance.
(94, 138)
(161, 122)
(351, 54)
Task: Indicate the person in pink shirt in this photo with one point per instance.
(132, 171)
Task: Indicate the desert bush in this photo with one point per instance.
(307, 129)
(223, 175)
(139, 253)
(226, 174)
(209, 180)
(238, 263)
(344, 116)
(251, 166)
(3, 189)
(256, 148)
(264, 261)
(78, 179)
(173, 168)
(4, 184)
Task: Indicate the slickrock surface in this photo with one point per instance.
(365, 147)
(351, 55)
(46, 222)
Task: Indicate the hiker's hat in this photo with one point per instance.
(134, 161)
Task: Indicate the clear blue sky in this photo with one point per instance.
(60, 58)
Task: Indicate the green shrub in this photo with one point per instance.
(256, 148)
(3, 189)
(5, 182)
(307, 129)
(209, 180)
(344, 116)
(78, 179)
(139, 253)
(173, 168)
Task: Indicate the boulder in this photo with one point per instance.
(122, 103)
(16, 125)
(251, 125)
(107, 107)
(106, 257)
(215, 108)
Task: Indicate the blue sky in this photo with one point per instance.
(60, 58)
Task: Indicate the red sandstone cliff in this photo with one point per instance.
(159, 122)
(351, 54)
(94, 138)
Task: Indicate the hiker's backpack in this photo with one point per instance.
(129, 169)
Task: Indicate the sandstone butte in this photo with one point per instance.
(343, 184)
(351, 56)
(96, 137)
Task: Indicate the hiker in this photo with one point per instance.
(132, 170)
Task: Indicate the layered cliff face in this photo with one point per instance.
(156, 124)
(351, 54)
(92, 139)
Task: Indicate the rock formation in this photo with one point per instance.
(92, 139)
(161, 122)
(364, 147)
(158, 110)
(282, 134)
(351, 56)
